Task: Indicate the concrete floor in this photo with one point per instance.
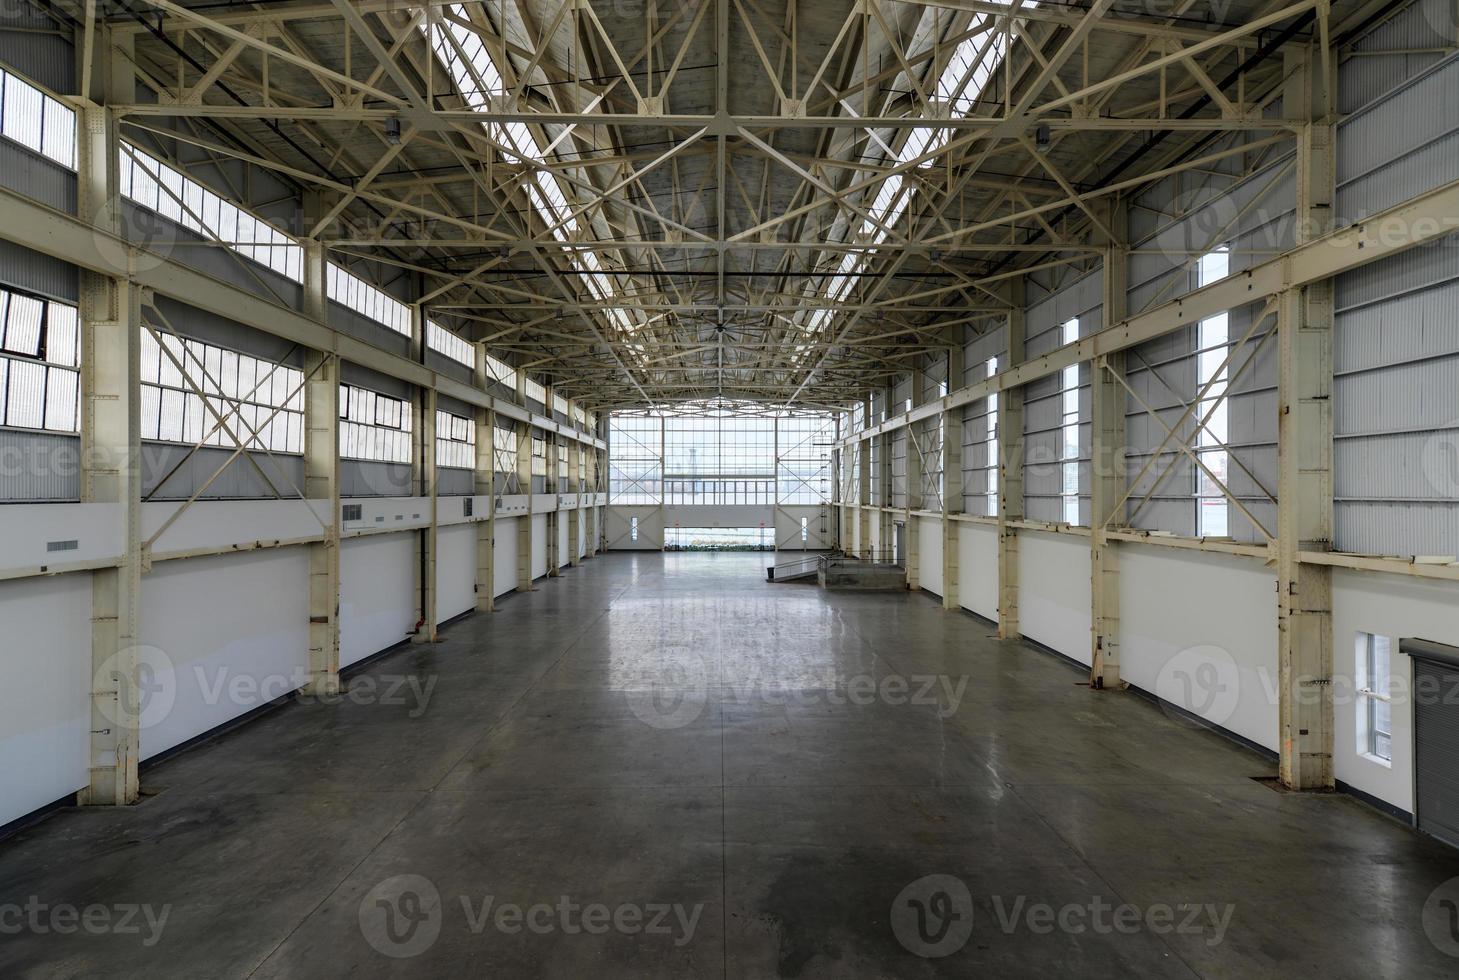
(775, 810)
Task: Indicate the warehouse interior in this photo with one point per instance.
(729, 487)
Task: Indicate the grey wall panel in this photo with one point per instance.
(451, 368)
(448, 404)
(1180, 217)
(150, 230)
(36, 273)
(363, 377)
(30, 44)
(189, 321)
(39, 466)
(345, 320)
(1400, 144)
(360, 478)
(451, 481)
(238, 480)
(37, 177)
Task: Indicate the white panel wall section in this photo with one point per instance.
(929, 546)
(539, 545)
(977, 574)
(562, 539)
(618, 528)
(1053, 591)
(45, 674)
(455, 570)
(820, 532)
(504, 556)
(250, 648)
(1396, 348)
(376, 594)
(1395, 607)
(1180, 641)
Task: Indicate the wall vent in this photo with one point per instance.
(71, 545)
(467, 506)
(354, 512)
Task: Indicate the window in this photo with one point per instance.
(502, 373)
(352, 292)
(633, 529)
(803, 469)
(504, 451)
(960, 84)
(1375, 705)
(636, 459)
(535, 391)
(166, 190)
(455, 441)
(539, 455)
(991, 486)
(452, 345)
(260, 402)
(1212, 339)
(474, 70)
(39, 357)
(37, 121)
(1069, 430)
(373, 426)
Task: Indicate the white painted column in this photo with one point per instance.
(110, 424)
(1010, 471)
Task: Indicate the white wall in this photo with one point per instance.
(787, 527)
(504, 556)
(1395, 606)
(224, 635)
(617, 522)
(1053, 591)
(45, 674)
(563, 555)
(929, 545)
(539, 545)
(455, 571)
(1200, 631)
(977, 569)
(376, 594)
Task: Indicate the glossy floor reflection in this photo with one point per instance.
(661, 765)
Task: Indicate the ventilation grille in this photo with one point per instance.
(354, 512)
(71, 545)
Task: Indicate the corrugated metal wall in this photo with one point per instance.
(1172, 223)
(1396, 343)
(39, 466)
